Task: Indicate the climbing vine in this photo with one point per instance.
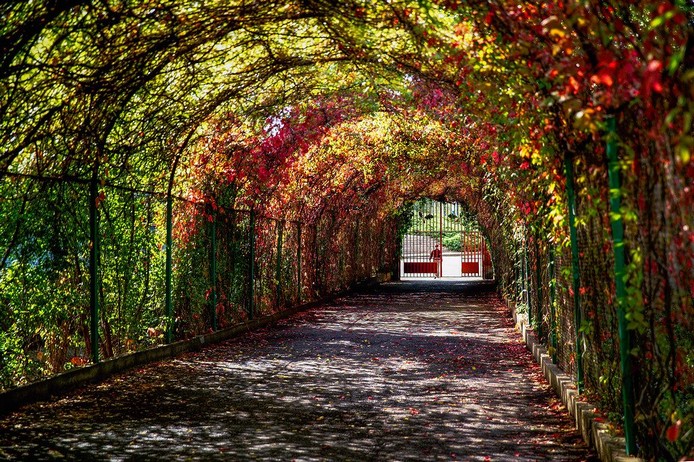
(304, 127)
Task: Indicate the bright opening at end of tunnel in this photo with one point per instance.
(442, 240)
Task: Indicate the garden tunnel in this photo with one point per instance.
(173, 167)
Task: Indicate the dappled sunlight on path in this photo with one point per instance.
(410, 371)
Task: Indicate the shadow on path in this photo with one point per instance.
(409, 371)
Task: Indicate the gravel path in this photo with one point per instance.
(409, 371)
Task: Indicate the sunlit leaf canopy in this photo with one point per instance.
(141, 93)
(138, 92)
(310, 109)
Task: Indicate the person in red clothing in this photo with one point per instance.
(437, 256)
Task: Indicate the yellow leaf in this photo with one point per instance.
(585, 120)
(683, 153)
(555, 32)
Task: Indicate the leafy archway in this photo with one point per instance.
(322, 118)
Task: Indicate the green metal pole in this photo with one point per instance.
(538, 276)
(552, 300)
(94, 266)
(213, 270)
(298, 262)
(356, 246)
(575, 268)
(439, 266)
(527, 280)
(278, 269)
(515, 272)
(398, 253)
(167, 282)
(251, 264)
(520, 280)
(620, 289)
(521, 271)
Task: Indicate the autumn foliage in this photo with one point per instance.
(293, 134)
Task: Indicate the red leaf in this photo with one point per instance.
(607, 66)
(652, 77)
(673, 432)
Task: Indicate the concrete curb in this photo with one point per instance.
(596, 434)
(63, 382)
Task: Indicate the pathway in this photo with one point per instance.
(410, 371)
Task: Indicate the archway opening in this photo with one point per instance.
(442, 240)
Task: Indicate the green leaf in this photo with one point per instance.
(657, 22)
(675, 61)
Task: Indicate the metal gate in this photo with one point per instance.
(443, 241)
(472, 254)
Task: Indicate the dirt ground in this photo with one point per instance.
(412, 371)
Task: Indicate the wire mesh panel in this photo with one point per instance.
(131, 262)
(233, 266)
(487, 267)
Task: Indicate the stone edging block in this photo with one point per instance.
(596, 434)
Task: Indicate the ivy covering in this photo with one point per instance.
(290, 135)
